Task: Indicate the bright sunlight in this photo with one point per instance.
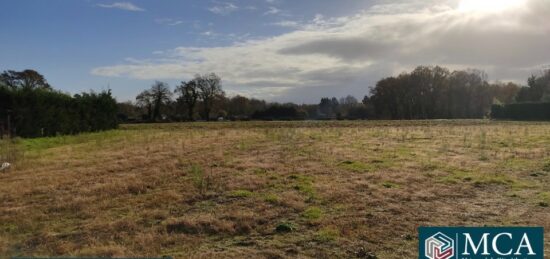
(489, 5)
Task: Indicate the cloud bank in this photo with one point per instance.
(346, 55)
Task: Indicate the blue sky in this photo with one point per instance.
(280, 50)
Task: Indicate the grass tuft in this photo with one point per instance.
(312, 213)
(241, 194)
(327, 234)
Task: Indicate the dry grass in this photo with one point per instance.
(271, 189)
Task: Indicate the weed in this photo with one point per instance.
(200, 180)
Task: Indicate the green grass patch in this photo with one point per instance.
(545, 199)
(312, 213)
(198, 177)
(482, 178)
(271, 198)
(37, 144)
(327, 234)
(241, 194)
(304, 184)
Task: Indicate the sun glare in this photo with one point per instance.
(488, 5)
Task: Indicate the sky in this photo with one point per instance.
(278, 50)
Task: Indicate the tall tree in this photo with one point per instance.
(239, 106)
(26, 79)
(431, 93)
(161, 95)
(539, 88)
(145, 100)
(188, 95)
(210, 88)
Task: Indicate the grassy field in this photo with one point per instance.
(271, 189)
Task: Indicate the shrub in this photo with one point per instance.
(285, 227)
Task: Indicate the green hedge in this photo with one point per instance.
(44, 112)
(522, 111)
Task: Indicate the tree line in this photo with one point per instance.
(532, 102)
(425, 93)
(30, 107)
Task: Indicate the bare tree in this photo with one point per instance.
(145, 100)
(161, 95)
(188, 95)
(210, 88)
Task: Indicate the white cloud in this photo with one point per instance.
(209, 34)
(273, 2)
(345, 55)
(223, 8)
(169, 21)
(272, 10)
(287, 24)
(123, 6)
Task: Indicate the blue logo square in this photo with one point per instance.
(481, 242)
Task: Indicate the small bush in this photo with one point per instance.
(285, 227)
